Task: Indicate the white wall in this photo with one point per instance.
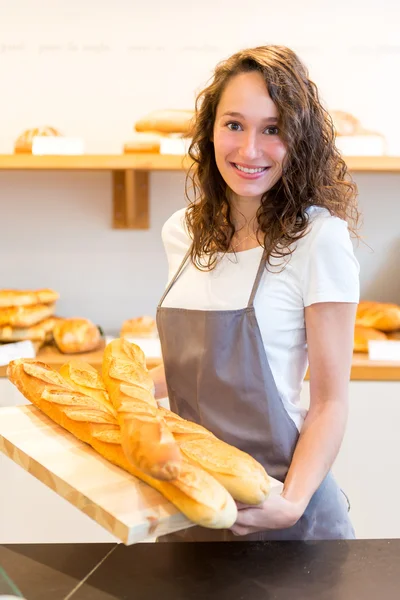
(92, 68)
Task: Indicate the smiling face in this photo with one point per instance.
(249, 151)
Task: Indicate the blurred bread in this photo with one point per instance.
(42, 332)
(378, 315)
(75, 335)
(24, 141)
(139, 327)
(143, 142)
(9, 298)
(394, 335)
(25, 316)
(362, 335)
(166, 121)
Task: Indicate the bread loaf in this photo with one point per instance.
(139, 327)
(76, 335)
(195, 493)
(146, 439)
(243, 477)
(166, 121)
(10, 298)
(25, 140)
(144, 142)
(379, 315)
(25, 316)
(37, 333)
(362, 335)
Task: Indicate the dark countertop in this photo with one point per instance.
(332, 570)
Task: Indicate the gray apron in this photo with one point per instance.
(218, 376)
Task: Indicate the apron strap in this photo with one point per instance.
(175, 277)
(257, 280)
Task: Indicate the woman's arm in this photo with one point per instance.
(160, 385)
(330, 336)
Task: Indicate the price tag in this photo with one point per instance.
(46, 145)
(177, 146)
(9, 352)
(388, 350)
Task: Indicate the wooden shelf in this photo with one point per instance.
(94, 162)
(157, 162)
(364, 369)
(130, 175)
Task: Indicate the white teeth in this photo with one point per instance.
(246, 170)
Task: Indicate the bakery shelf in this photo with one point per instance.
(130, 175)
(364, 369)
(130, 178)
(157, 162)
(94, 162)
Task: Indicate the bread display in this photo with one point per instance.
(74, 335)
(362, 335)
(11, 298)
(243, 477)
(146, 439)
(139, 327)
(25, 316)
(166, 121)
(378, 315)
(42, 332)
(198, 495)
(25, 140)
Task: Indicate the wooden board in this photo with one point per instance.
(128, 508)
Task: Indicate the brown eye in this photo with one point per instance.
(233, 126)
(272, 131)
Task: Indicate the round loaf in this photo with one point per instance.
(76, 335)
(24, 141)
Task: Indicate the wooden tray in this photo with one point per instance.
(128, 508)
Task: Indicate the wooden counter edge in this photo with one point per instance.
(362, 369)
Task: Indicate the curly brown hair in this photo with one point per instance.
(313, 172)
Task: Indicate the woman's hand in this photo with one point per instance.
(275, 513)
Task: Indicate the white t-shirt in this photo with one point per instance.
(322, 268)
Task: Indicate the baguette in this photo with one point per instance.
(166, 121)
(146, 439)
(42, 332)
(239, 473)
(10, 298)
(195, 493)
(25, 316)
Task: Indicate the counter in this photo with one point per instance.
(331, 570)
(363, 369)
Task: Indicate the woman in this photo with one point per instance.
(263, 280)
